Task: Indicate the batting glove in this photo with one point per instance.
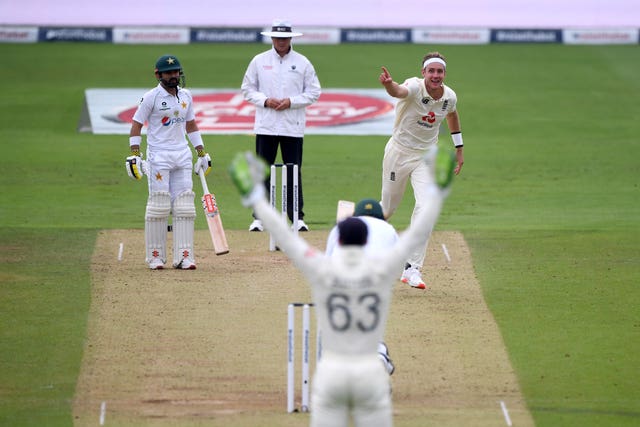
(203, 163)
(134, 165)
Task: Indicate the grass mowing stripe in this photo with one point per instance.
(571, 332)
(43, 308)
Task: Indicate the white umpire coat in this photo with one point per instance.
(271, 76)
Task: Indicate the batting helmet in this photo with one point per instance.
(167, 63)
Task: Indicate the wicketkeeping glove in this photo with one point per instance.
(135, 167)
(248, 173)
(203, 163)
(444, 164)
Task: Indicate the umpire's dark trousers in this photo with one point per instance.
(291, 151)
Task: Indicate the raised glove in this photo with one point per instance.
(445, 163)
(203, 163)
(134, 165)
(248, 173)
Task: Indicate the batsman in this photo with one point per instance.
(168, 112)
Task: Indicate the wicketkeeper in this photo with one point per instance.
(168, 112)
(351, 292)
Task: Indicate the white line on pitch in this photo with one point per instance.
(120, 251)
(446, 252)
(103, 412)
(505, 412)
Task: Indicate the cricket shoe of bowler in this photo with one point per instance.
(411, 276)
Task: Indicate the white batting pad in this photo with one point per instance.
(155, 226)
(184, 216)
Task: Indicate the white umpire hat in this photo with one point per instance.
(281, 29)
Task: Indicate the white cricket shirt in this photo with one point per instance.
(351, 290)
(166, 117)
(418, 116)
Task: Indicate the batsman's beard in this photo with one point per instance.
(173, 82)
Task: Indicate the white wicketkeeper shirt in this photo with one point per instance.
(418, 116)
(352, 293)
(351, 289)
(271, 76)
(166, 117)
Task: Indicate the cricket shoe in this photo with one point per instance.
(411, 276)
(256, 225)
(186, 264)
(302, 226)
(156, 264)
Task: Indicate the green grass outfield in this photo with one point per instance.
(549, 200)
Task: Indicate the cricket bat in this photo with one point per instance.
(211, 212)
(345, 210)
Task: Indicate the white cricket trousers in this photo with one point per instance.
(345, 386)
(399, 166)
(170, 171)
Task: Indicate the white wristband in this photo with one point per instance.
(457, 139)
(196, 139)
(135, 140)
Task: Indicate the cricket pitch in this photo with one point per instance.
(208, 347)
